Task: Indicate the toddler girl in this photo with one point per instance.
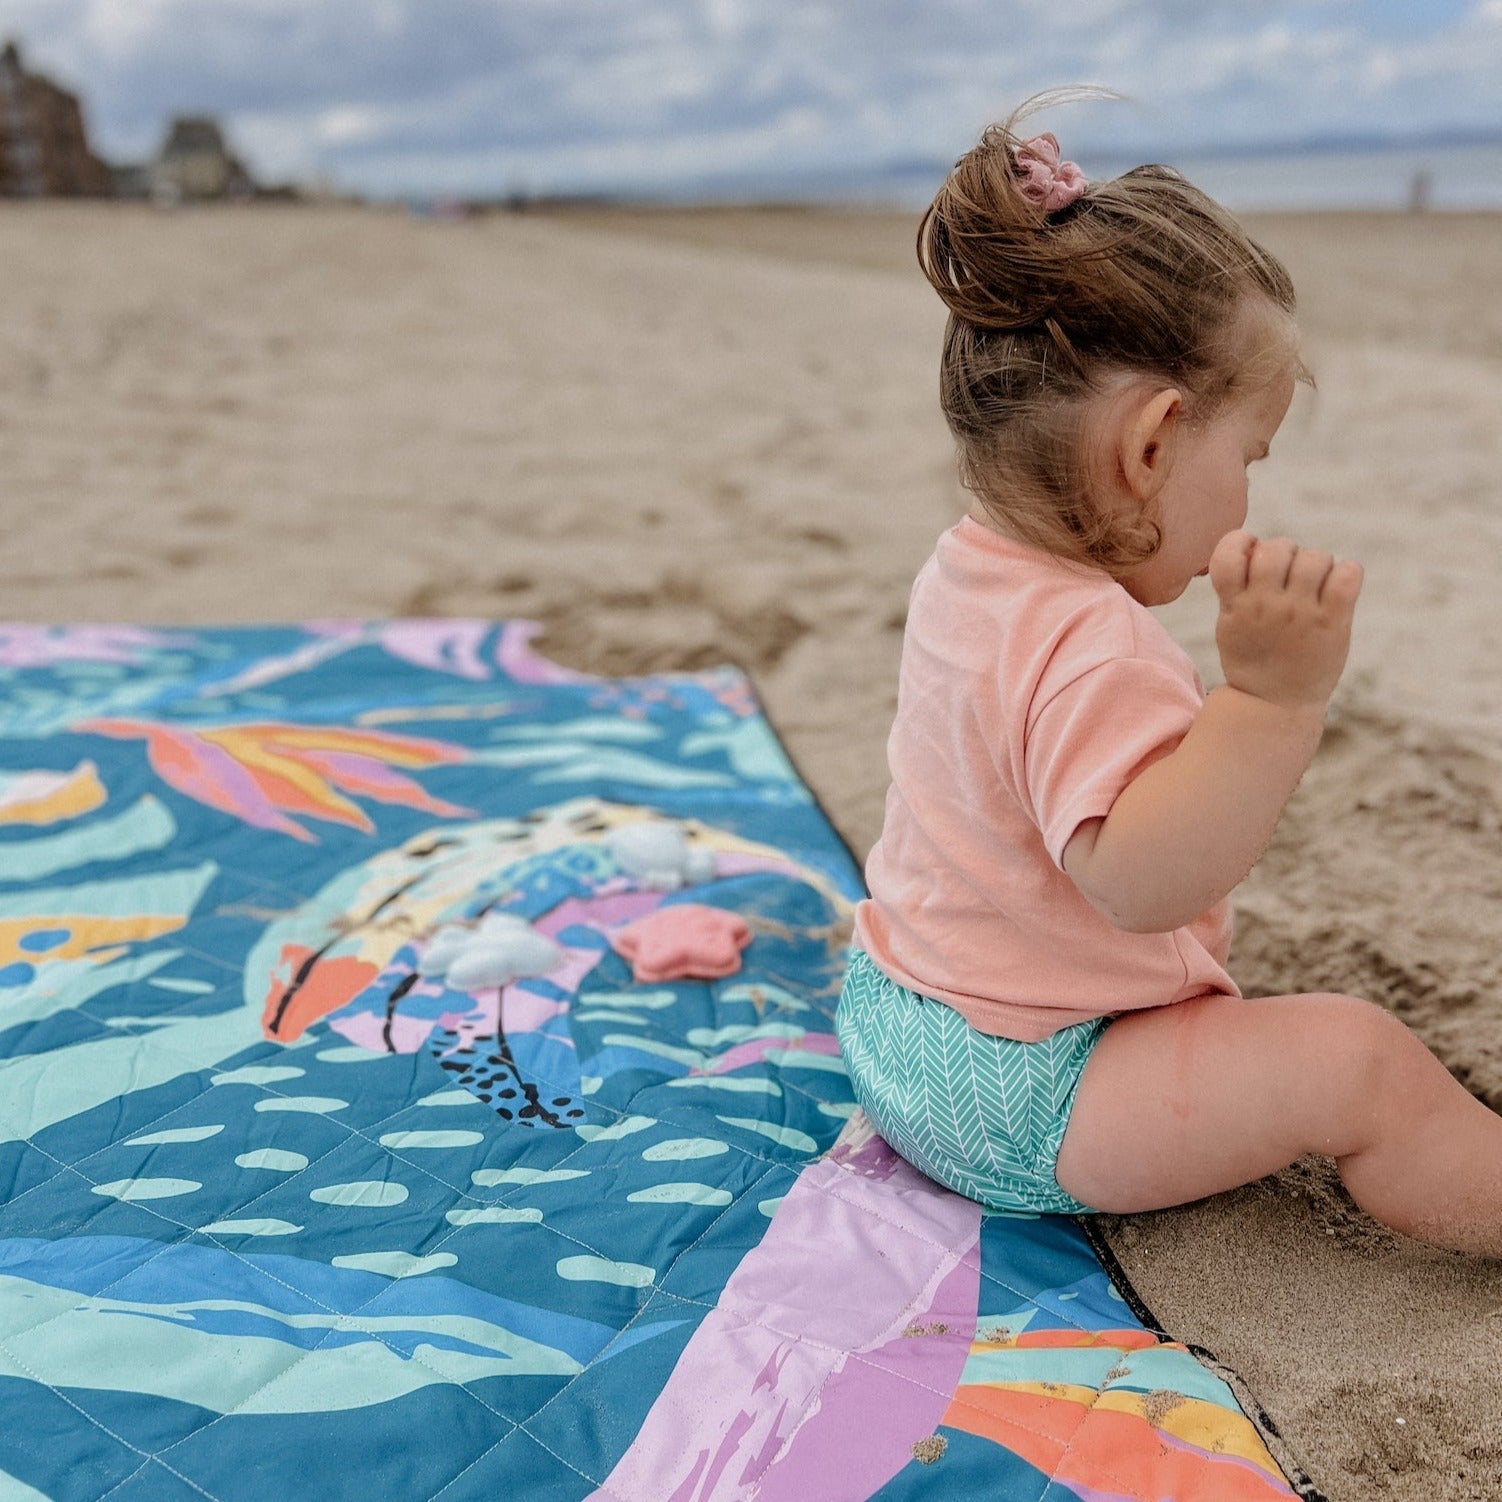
(1037, 1011)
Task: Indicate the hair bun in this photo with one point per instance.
(989, 242)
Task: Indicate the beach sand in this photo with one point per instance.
(682, 439)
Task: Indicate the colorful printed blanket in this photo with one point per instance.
(417, 1081)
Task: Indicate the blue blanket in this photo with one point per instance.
(417, 1081)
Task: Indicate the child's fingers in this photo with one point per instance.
(1311, 567)
(1228, 563)
(1343, 584)
(1271, 562)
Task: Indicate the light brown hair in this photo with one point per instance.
(1142, 275)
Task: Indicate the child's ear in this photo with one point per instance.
(1144, 442)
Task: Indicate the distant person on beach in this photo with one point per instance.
(1037, 1011)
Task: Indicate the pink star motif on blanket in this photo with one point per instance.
(684, 940)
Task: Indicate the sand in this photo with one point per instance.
(680, 439)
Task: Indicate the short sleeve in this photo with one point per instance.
(1095, 735)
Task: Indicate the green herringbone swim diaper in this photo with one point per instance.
(982, 1114)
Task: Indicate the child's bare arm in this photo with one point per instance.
(1190, 827)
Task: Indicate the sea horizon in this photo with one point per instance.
(1444, 174)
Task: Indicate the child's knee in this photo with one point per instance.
(1377, 1069)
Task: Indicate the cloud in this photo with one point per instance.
(477, 95)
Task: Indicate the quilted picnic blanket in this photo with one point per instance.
(417, 1080)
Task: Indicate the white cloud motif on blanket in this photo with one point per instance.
(474, 941)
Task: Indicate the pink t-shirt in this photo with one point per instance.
(1030, 695)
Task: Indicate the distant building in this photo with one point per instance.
(44, 151)
(194, 164)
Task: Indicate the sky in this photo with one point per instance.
(481, 97)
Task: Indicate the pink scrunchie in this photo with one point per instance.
(1047, 181)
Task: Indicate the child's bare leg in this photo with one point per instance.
(1185, 1101)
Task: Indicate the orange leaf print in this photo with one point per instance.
(263, 772)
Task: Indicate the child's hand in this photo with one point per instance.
(1285, 617)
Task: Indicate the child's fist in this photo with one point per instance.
(1285, 617)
